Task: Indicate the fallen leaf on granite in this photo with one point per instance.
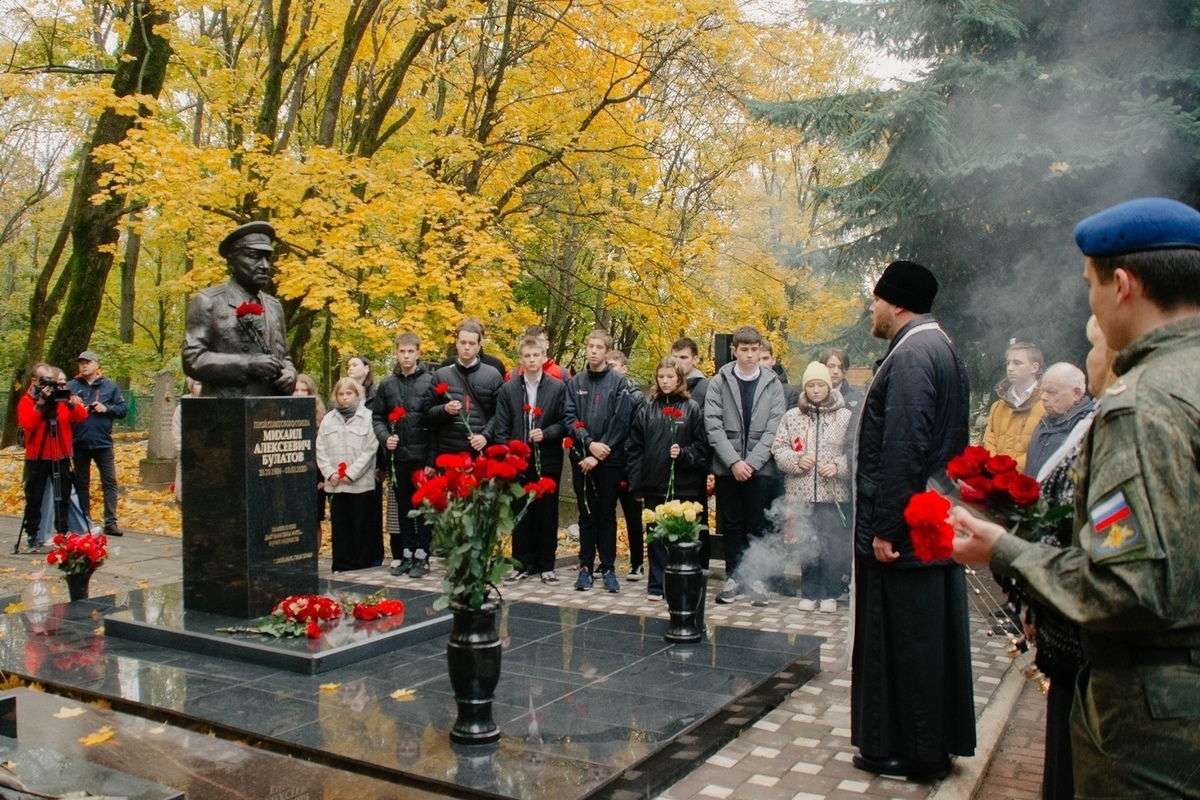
(157, 731)
(99, 737)
(330, 687)
(404, 695)
(7, 570)
(14, 608)
(67, 713)
(99, 631)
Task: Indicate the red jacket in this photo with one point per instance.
(550, 368)
(35, 424)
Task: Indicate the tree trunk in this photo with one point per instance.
(133, 250)
(96, 227)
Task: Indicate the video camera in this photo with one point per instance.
(56, 392)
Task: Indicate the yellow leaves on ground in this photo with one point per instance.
(330, 687)
(100, 736)
(404, 695)
(14, 608)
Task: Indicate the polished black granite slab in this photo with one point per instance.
(249, 502)
(590, 704)
(162, 619)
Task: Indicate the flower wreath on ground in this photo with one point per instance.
(473, 504)
(313, 614)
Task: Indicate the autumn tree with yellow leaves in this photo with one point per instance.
(573, 163)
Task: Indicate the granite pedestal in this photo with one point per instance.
(249, 503)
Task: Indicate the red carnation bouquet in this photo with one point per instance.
(78, 553)
(250, 319)
(470, 505)
(932, 537)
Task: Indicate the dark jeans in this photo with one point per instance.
(354, 520)
(598, 515)
(410, 534)
(103, 456)
(631, 509)
(535, 536)
(825, 574)
(37, 475)
(742, 514)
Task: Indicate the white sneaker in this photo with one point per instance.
(549, 577)
(808, 605)
(829, 606)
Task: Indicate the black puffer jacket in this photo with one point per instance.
(479, 404)
(410, 392)
(649, 450)
(601, 401)
(914, 421)
(513, 422)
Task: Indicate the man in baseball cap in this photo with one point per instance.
(92, 436)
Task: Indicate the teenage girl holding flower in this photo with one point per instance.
(668, 454)
(810, 449)
(346, 447)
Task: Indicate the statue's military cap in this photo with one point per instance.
(1148, 223)
(242, 231)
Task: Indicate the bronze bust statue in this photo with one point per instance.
(235, 343)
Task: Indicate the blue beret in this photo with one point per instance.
(1149, 223)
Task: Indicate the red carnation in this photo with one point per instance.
(441, 388)
(312, 630)
(797, 444)
(519, 449)
(527, 408)
(1024, 490)
(496, 451)
(997, 465)
(342, 469)
(678, 413)
(668, 411)
(398, 413)
(932, 537)
(248, 309)
(579, 425)
(537, 412)
(568, 442)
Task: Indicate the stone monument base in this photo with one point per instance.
(157, 473)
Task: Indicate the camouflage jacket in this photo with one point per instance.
(1133, 574)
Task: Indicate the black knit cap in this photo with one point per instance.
(241, 231)
(909, 285)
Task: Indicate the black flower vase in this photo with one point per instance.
(473, 656)
(77, 585)
(683, 588)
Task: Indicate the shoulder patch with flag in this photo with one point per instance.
(1114, 527)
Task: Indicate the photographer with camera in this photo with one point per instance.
(46, 413)
(93, 437)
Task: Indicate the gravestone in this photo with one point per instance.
(157, 469)
(250, 509)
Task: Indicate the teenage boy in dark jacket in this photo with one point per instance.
(459, 415)
(597, 415)
(530, 408)
(399, 420)
(93, 436)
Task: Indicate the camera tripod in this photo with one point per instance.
(60, 468)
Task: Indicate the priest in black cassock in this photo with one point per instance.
(911, 695)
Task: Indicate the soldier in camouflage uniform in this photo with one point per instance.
(1132, 578)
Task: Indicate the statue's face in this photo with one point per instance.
(250, 261)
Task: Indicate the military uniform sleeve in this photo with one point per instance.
(1134, 567)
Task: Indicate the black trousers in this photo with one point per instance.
(107, 467)
(631, 509)
(357, 541)
(406, 533)
(1058, 780)
(535, 537)
(597, 496)
(742, 514)
(37, 474)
